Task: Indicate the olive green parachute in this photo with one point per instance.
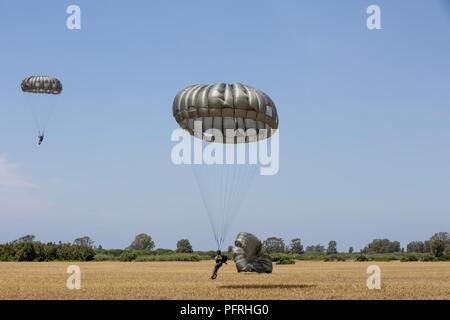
(41, 84)
(43, 100)
(226, 107)
(238, 117)
(248, 256)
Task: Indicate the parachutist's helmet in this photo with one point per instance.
(219, 252)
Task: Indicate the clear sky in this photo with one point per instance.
(364, 118)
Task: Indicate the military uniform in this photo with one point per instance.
(219, 261)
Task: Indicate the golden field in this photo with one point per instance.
(190, 280)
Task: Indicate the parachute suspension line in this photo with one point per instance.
(223, 211)
(45, 102)
(34, 115)
(226, 198)
(233, 191)
(49, 115)
(209, 210)
(245, 174)
(248, 172)
(223, 188)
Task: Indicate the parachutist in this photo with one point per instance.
(41, 86)
(220, 260)
(41, 139)
(239, 114)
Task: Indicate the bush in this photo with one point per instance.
(128, 255)
(428, 257)
(37, 251)
(409, 258)
(286, 260)
(170, 257)
(111, 252)
(384, 257)
(362, 258)
(105, 257)
(334, 258)
(25, 252)
(161, 251)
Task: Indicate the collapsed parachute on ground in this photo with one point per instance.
(248, 256)
(226, 106)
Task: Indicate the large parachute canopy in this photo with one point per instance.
(43, 101)
(242, 115)
(248, 255)
(226, 106)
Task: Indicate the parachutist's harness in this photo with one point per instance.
(224, 259)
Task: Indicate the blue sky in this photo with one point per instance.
(364, 118)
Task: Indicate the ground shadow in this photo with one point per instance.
(268, 286)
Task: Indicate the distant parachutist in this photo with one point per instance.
(40, 139)
(41, 86)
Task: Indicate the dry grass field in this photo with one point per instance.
(190, 280)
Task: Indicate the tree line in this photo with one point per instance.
(438, 245)
(27, 248)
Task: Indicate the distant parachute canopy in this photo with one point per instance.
(248, 256)
(226, 106)
(43, 103)
(41, 84)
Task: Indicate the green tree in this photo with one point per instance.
(382, 246)
(184, 246)
(127, 255)
(315, 248)
(26, 252)
(142, 242)
(332, 247)
(443, 236)
(437, 247)
(24, 239)
(438, 243)
(350, 250)
(416, 247)
(427, 246)
(274, 245)
(296, 246)
(447, 251)
(84, 242)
